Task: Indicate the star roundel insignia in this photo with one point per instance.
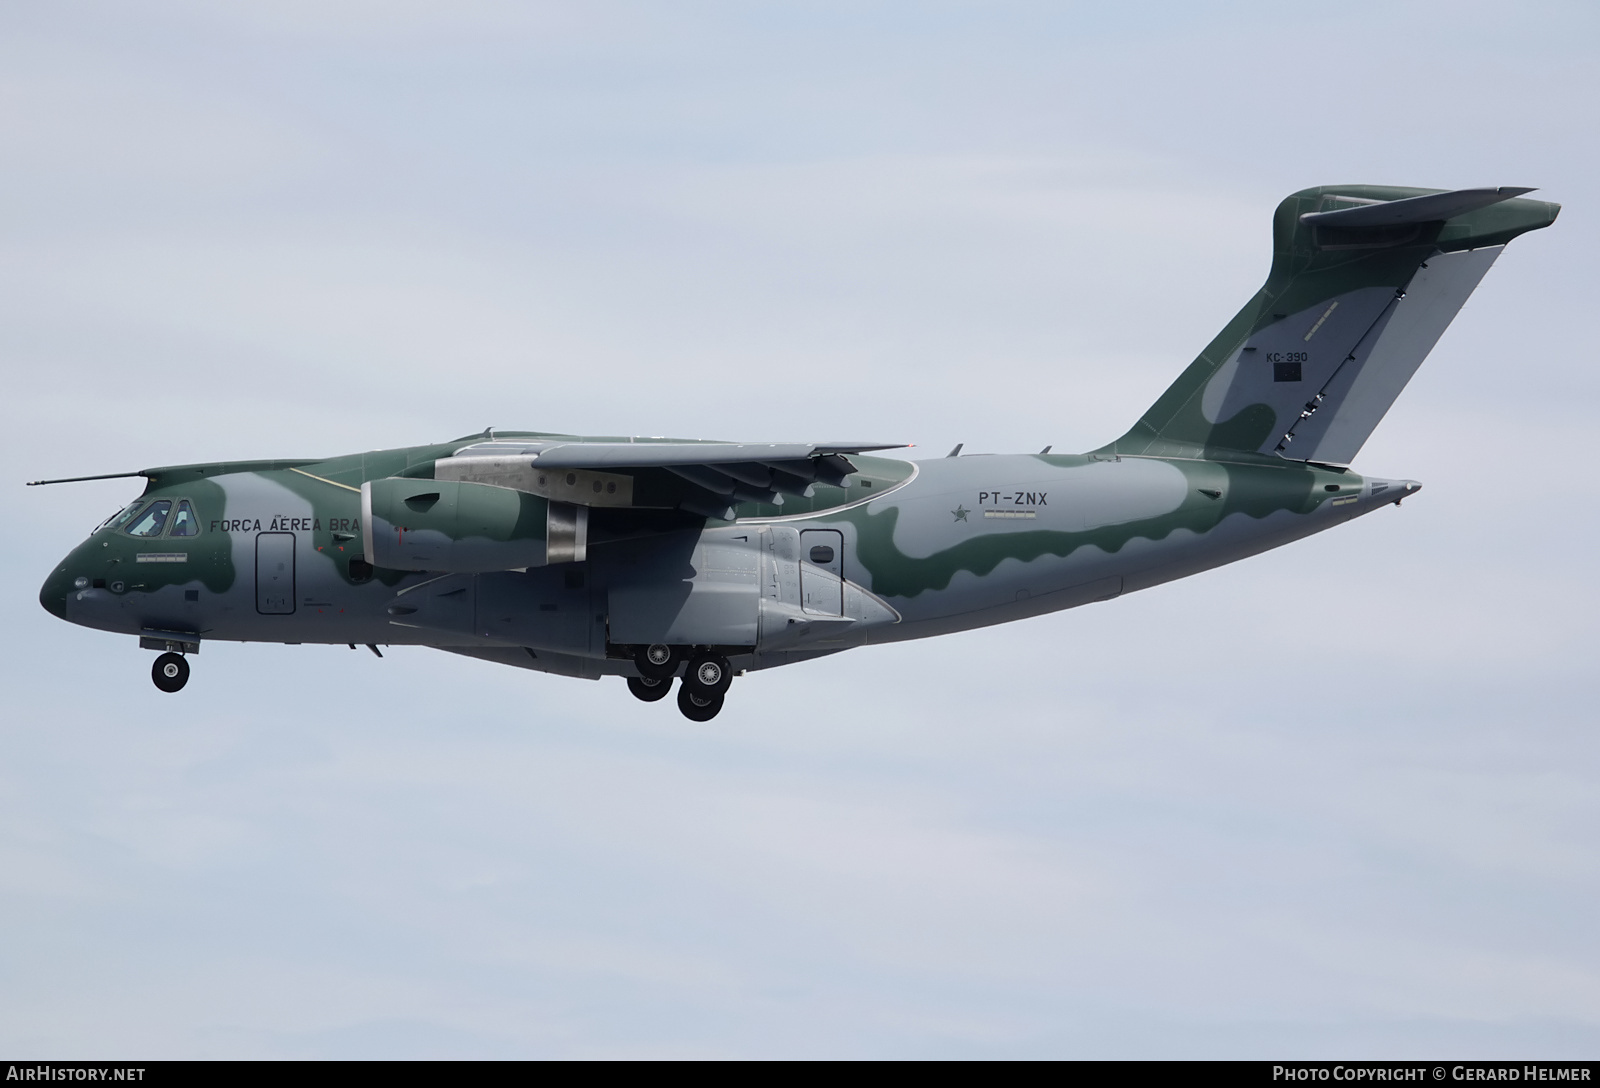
(960, 512)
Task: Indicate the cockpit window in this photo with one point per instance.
(151, 520)
(184, 522)
(117, 519)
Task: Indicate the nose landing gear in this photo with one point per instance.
(170, 672)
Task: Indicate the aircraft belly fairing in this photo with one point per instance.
(666, 561)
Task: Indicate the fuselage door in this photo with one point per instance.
(822, 571)
(275, 574)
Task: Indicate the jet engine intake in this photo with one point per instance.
(466, 528)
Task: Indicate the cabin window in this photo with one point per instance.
(151, 520)
(822, 554)
(184, 523)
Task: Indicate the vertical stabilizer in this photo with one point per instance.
(1364, 281)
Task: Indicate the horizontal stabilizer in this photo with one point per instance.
(1414, 209)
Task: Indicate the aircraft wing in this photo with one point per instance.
(666, 454)
(702, 477)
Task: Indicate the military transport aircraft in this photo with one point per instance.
(651, 558)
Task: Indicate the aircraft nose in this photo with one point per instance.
(53, 594)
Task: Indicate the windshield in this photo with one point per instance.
(151, 519)
(120, 516)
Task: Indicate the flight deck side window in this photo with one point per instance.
(184, 523)
(151, 520)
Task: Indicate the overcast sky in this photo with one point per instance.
(1338, 800)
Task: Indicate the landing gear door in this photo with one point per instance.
(822, 571)
(275, 574)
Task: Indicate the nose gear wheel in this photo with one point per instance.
(170, 672)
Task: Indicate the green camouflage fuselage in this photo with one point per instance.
(947, 544)
(582, 555)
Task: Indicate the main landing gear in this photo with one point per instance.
(657, 662)
(170, 672)
(700, 692)
(649, 689)
(696, 706)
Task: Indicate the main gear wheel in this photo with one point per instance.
(698, 707)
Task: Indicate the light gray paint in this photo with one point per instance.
(274, 569)
(1077, 497)
(1324, 334)
(694, 590)
(1357, 401)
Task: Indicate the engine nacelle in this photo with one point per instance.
(466, 528)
